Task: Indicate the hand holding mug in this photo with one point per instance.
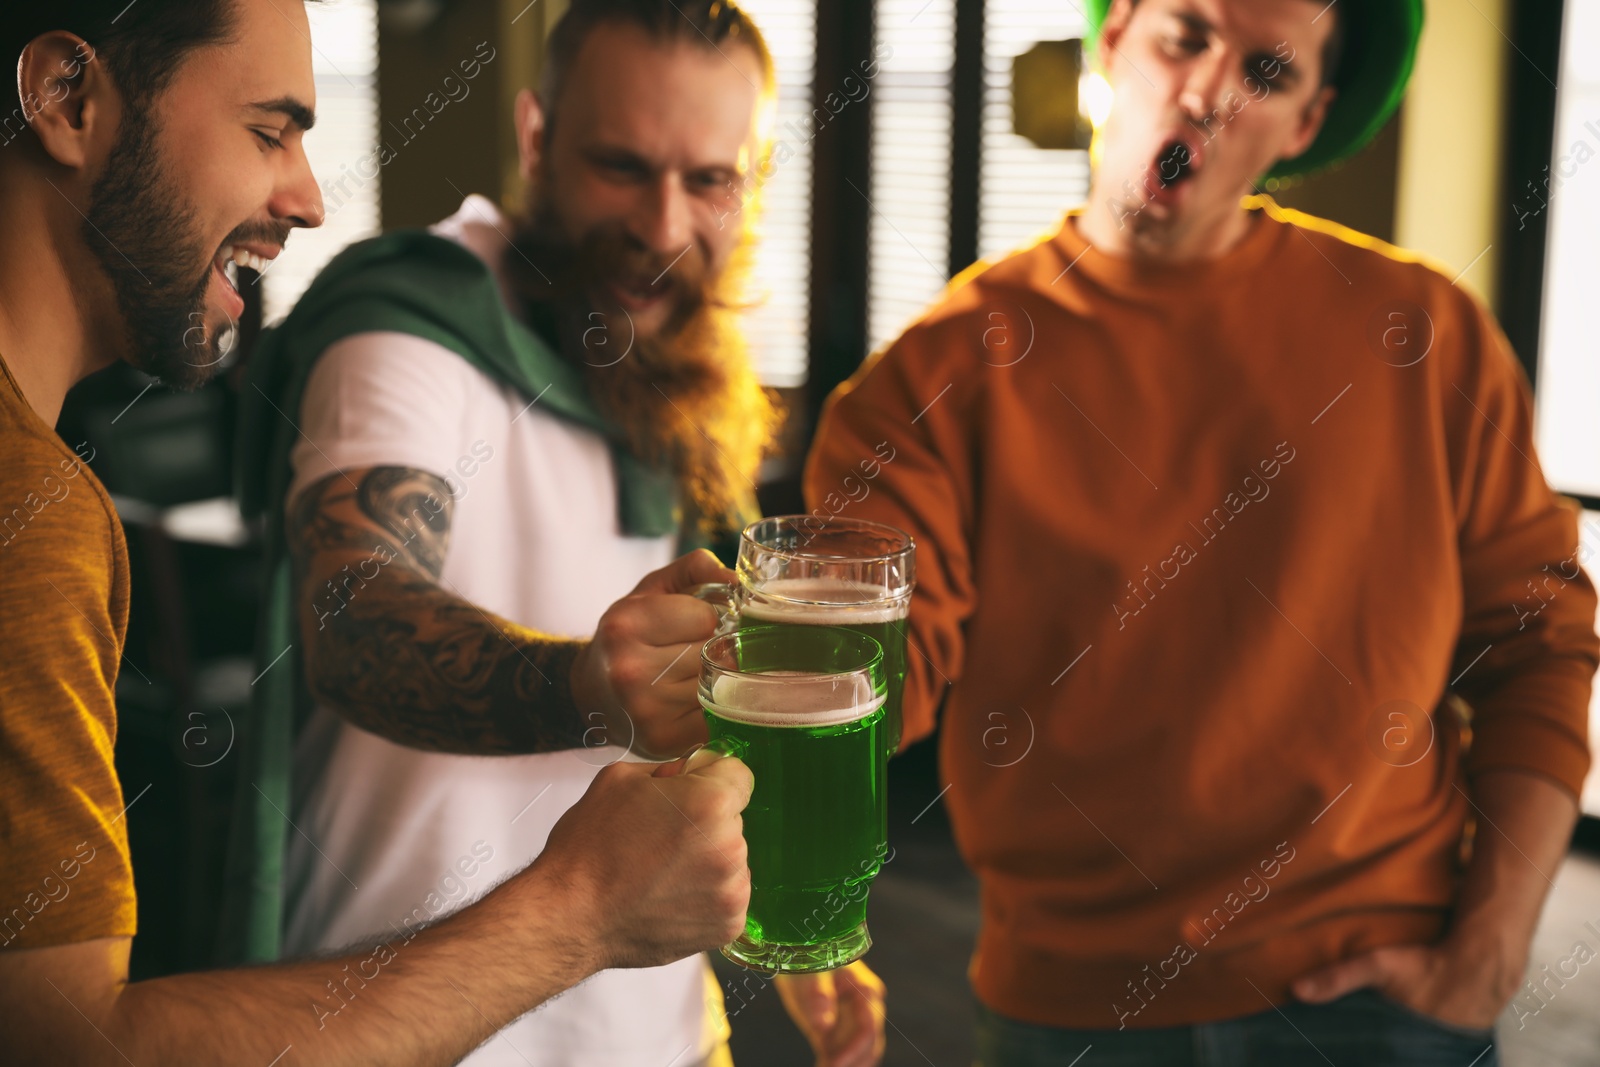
(636, 678)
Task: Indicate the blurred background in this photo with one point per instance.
(959, 148)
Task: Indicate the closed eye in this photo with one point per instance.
(1185, 45)
(621, 168)
(710, 182)
(1270, 68)
(267, 139)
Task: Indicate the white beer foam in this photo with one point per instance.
(793, 698)
(822, 602)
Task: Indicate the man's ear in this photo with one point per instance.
(529, 118)
(67, 98)
(1311, 120)
(1112, 29)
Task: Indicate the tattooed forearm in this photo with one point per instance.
(401, 656)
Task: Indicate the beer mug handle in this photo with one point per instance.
(724, 599)
(728, 746)
(721, 746)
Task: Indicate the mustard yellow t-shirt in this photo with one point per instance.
(65, 874)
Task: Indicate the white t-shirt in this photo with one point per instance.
(389, 833)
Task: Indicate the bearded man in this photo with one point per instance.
(151, 150)
(504, 429)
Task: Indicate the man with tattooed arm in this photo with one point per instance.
(501, 431)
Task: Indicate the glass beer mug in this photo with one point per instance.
(804, 708)
(796, 571)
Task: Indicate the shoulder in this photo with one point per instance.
(1375, 263)
(390, 399)
(996, 287)
(63, 577)
(391, 360)
(55, 516)
(982, 318)
(1441, 340)
(388, 383)
(1387, 290)
(49, 492)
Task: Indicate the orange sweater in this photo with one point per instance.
(1202, 553)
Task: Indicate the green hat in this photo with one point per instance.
(1380, 47)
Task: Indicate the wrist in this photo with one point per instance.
(1489, 949)
(564, 666)
(577, 676)
(598, 719)
(569, 926)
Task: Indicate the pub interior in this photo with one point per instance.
(1113, 726)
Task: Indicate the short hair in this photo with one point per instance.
(142, 45)
(709, 24)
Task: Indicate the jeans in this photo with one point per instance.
(1362, 1029)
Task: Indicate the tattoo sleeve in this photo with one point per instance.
(393, 648)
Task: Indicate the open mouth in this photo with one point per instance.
(231, 257)
(1176, 164)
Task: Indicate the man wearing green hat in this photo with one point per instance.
(1262, 645)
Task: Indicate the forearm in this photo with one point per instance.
(426, 1000)
(1524, 825)
(392, 646)
(413, 663)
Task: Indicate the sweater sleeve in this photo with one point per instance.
(1527, 655)
(883, 452)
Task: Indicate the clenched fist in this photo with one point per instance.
(659, 852)
(638, 674)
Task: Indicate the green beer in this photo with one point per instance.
(839, 602)
(804, 708)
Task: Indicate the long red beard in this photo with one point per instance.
(685, 398)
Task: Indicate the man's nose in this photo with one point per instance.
(1206, 83)
(297, 200)
(662, 220)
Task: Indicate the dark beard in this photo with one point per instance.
(143, 232)
(686, 398)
